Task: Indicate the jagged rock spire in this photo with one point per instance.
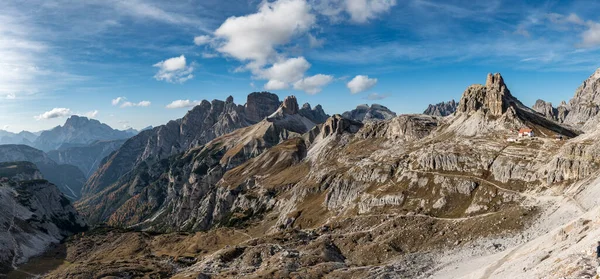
(494, 98)
(290, 105)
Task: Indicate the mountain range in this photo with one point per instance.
(271, 189)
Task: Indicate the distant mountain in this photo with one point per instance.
(34, 215)
(88, 157)
(200, 125)
(366, 113)
(23, 137)
(69, 179)
(441, 109)
(78, 131)
(316, 114)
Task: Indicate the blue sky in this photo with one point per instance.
(63, 57)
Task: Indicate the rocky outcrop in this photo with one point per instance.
(546, 109)
(78, 130)
(34, 215)
(493, 98)
(558, 114)
(441, 109)
(68, 178)
(366, 113)
(316, 115)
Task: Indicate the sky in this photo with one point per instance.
(135, 63)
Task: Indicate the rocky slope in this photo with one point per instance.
(87, 158)
(33, 215)
(68, 178)
(441, 109)
(202, 124)
(366, 113)
(77, 131)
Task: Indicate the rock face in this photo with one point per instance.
(441, 109)
(493, 98)
(87, 158)
(546, 109)
(584, 106)
(260, 105)
(68, 178)
(33, 215)
(77, 131)
(366, 113)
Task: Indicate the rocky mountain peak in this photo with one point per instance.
(76, 121)
(494, 98)
(290, 105)
(316, 114)
(260, 105)
(365, 113)
(229, 100)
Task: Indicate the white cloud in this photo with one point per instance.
(361, 83)
(91, 114)
(360, 11)
(376, 96)
(276, 85)
(284, 72)
(143, 9)
(174, 70)
(591, 37)
(208, 55)
(182, 104)
(6, 127)
(254, 37)
(314, 84)
(252, 85)
(314, 42)
(27, 66)
(140, 104)
(54, 113)
(562, 19)
(118, 100)
(202, 40)
(363, 10)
